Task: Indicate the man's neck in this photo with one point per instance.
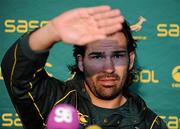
(114, 103)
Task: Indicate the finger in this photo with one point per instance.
(98, 9)
(111, 29)
(109, 22)
(109, 14)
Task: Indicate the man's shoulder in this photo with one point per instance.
(150, 116)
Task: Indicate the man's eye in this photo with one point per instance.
(96, 57)
(119, 55)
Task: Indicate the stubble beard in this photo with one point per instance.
(105, 92)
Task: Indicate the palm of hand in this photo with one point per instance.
(81, 26)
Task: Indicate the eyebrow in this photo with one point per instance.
(119, 51)
(95, 53)
(114, 52)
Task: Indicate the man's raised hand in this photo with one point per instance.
(84, 25)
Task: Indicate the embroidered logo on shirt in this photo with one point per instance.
(82, 118)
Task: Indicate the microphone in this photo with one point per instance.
(63, 116)
(93, 127)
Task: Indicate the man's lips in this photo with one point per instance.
(108, 82)
(108, 79)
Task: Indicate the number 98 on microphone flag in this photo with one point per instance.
(63, 116)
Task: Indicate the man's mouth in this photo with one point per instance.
(108, 82)
(108, 79)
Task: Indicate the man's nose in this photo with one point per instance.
(109, 65)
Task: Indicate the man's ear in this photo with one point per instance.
(80, 62)
(131, 60)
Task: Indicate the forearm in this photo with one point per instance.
(43, 38)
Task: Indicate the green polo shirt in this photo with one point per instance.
(109, 118)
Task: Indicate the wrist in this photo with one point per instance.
(43, 38)
(52, 33)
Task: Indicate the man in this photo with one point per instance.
(105, 53)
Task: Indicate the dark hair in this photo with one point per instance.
(131, 46)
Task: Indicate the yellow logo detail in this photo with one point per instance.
(82, 118)
(1, 77)
(93, 127)
(138, 25)
(49, 65)
(176, 73)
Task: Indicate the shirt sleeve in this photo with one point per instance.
(32, 91)
(27, 51)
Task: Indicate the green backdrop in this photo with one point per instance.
(155, 23)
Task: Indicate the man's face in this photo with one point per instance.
(105, 66)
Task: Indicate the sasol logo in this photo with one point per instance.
(168, 30)
(176, 76)
(22, 26)
(173, 122)
(146, 76)
(10, 120)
